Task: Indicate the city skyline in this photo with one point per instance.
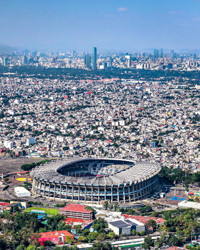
(114, 25)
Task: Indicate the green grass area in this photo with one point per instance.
(47, 210)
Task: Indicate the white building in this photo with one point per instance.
(8, 144)
(21, 192)
(126, 226)
(30, 141)
(189, 204)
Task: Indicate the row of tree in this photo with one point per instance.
(178, 176)
(30, 166)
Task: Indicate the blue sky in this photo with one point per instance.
(108, 24)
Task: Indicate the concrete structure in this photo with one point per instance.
(144, 219)
(85, 224)
(56, 237)
(3, 206)
(30, 141)
(189, 204)
(77, 211)
(22, 192)
(94, 58)
(96, 180)
(126, 226)
(8, 144)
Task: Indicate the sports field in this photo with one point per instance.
(47, 210)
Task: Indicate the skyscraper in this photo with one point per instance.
(173, 54)
(87, 61)
(5, 61)
(24, 60)
(94, 58)
(161, 53)
(156, 53)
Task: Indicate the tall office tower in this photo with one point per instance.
(74, 54)
(109, 61)
(94, 58)
(54, 59)
(161, 53)
(5, 61)
(173, 54)
(34, 54)
(87, 61)
(128, 60)
(129, 63)
(182, 59)
(24, 60)
(156, 53)
(195, 56)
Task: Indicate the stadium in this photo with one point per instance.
(96, 180)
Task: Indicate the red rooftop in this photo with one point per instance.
(56, 237)
(77, 211)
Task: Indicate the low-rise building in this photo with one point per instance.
(3, 206)
(22, 192)
(56, 237)
(85, 224)
(126, 226)
(77, 211)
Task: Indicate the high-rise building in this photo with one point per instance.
(30, 141)
(173, 54)
(24, 60)
(161, 53)
(129, 63)
(156, 53)
(109, 61)
(5, 61)
(94, 58)
(87, 61)
(54, 59)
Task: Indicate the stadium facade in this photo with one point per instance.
(96, 180)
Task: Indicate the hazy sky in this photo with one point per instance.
(107, 24)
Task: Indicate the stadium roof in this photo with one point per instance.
(136, 172)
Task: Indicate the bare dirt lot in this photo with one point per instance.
(8, 165)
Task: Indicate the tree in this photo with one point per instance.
(111, 235)
(69, 240)
(100, 225)
(31, 247)
(146, 209)
(3, 244)
(116, 206)
(21, 247)
(63, 226)
(82, 238)
(152, 224)
(6, 179)
(133, 232)
(105, 205)
(41, 248)
(101, 246)
(78, 229)
(101, 237)
(92, 236)
(145, 246)
(173, 240)
(85, 232)
(91, 209)
(148, 242)
(160, 241)
(110, 205)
